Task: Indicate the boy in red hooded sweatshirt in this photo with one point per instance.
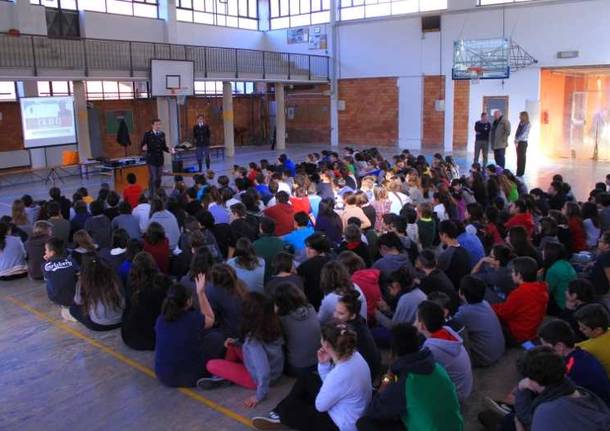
(524, 309)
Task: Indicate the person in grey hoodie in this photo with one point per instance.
(485, 338)
(301, 329)
(545, 400)
(392, 256)
(259, 360)
(159, 214)
(398, 306)
(446, 346)
(125, 220)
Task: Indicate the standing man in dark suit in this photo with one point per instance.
(481, 143)
(201, 139)
(153, 144)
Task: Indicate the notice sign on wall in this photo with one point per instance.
(47, 121)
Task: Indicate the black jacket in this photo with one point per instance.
(391, 404)
(156, 145)
(482, 130)
(201, 135)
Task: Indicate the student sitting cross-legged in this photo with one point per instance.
(547, 400)
(582, 367)
(60, 274)
(446, 345)
(485, 339)
(98, 300)
(416, 393)
(593, 323)
(335, 398)
(179, 355)
(524, 309)
(257, 360)
(144, 293)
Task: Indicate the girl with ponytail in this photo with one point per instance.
(179, 354)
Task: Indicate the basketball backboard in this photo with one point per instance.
(481, 59)
(172, 78)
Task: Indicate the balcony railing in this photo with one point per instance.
(41, 56)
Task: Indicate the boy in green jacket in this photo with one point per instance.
(416, 394)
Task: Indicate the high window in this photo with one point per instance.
(112, 90)
(228, 13)
(54, 88)
(7, 90)
(143, 8)
(214, 88)
(297, 13)
(492, 2)
(360, 9)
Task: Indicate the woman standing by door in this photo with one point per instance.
(521, 137)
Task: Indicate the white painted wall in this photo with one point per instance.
(209, 35)
(7, 10)
(112, 26)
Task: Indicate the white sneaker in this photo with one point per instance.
(65, 314)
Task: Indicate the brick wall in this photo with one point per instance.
(144, 110)
(371, 111)
(461, 105)
(310, 105)
(434, 121)
(246, 116)
(11, 135)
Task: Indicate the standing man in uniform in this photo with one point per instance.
(500, 131)
(201, 138)
(153, 144)
(481, 143)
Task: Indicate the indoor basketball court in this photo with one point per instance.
(305, 214)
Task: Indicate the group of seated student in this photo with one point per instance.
(314, 269)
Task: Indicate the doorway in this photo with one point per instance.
(575, 112)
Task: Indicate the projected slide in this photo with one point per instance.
(47, 121)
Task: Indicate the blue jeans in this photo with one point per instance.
(200, 153)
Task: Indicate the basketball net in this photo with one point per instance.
(475, 74)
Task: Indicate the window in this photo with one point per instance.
(54, 88)
(109, 90)
(360, 9)
(7, 90)
(228, 13)
(492, 2)
(214, 88)
(143, 8)
(297, 13)
(58, 4)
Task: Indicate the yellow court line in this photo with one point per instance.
(134, 364)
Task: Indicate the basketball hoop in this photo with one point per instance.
(475, 73)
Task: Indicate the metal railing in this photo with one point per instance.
(32, 55)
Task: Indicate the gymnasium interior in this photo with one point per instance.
(82, 80)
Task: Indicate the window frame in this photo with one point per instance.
(304, 16)
(366, 5)
(220, 18)
(83, 6)
(502, 2)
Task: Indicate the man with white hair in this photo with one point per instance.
(500, 131)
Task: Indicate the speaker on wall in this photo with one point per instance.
(430, 23)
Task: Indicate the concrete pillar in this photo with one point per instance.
(227, 117)
(280, 116)
(82, 121)
(334, 85)
(30, 89)
(167, 12)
